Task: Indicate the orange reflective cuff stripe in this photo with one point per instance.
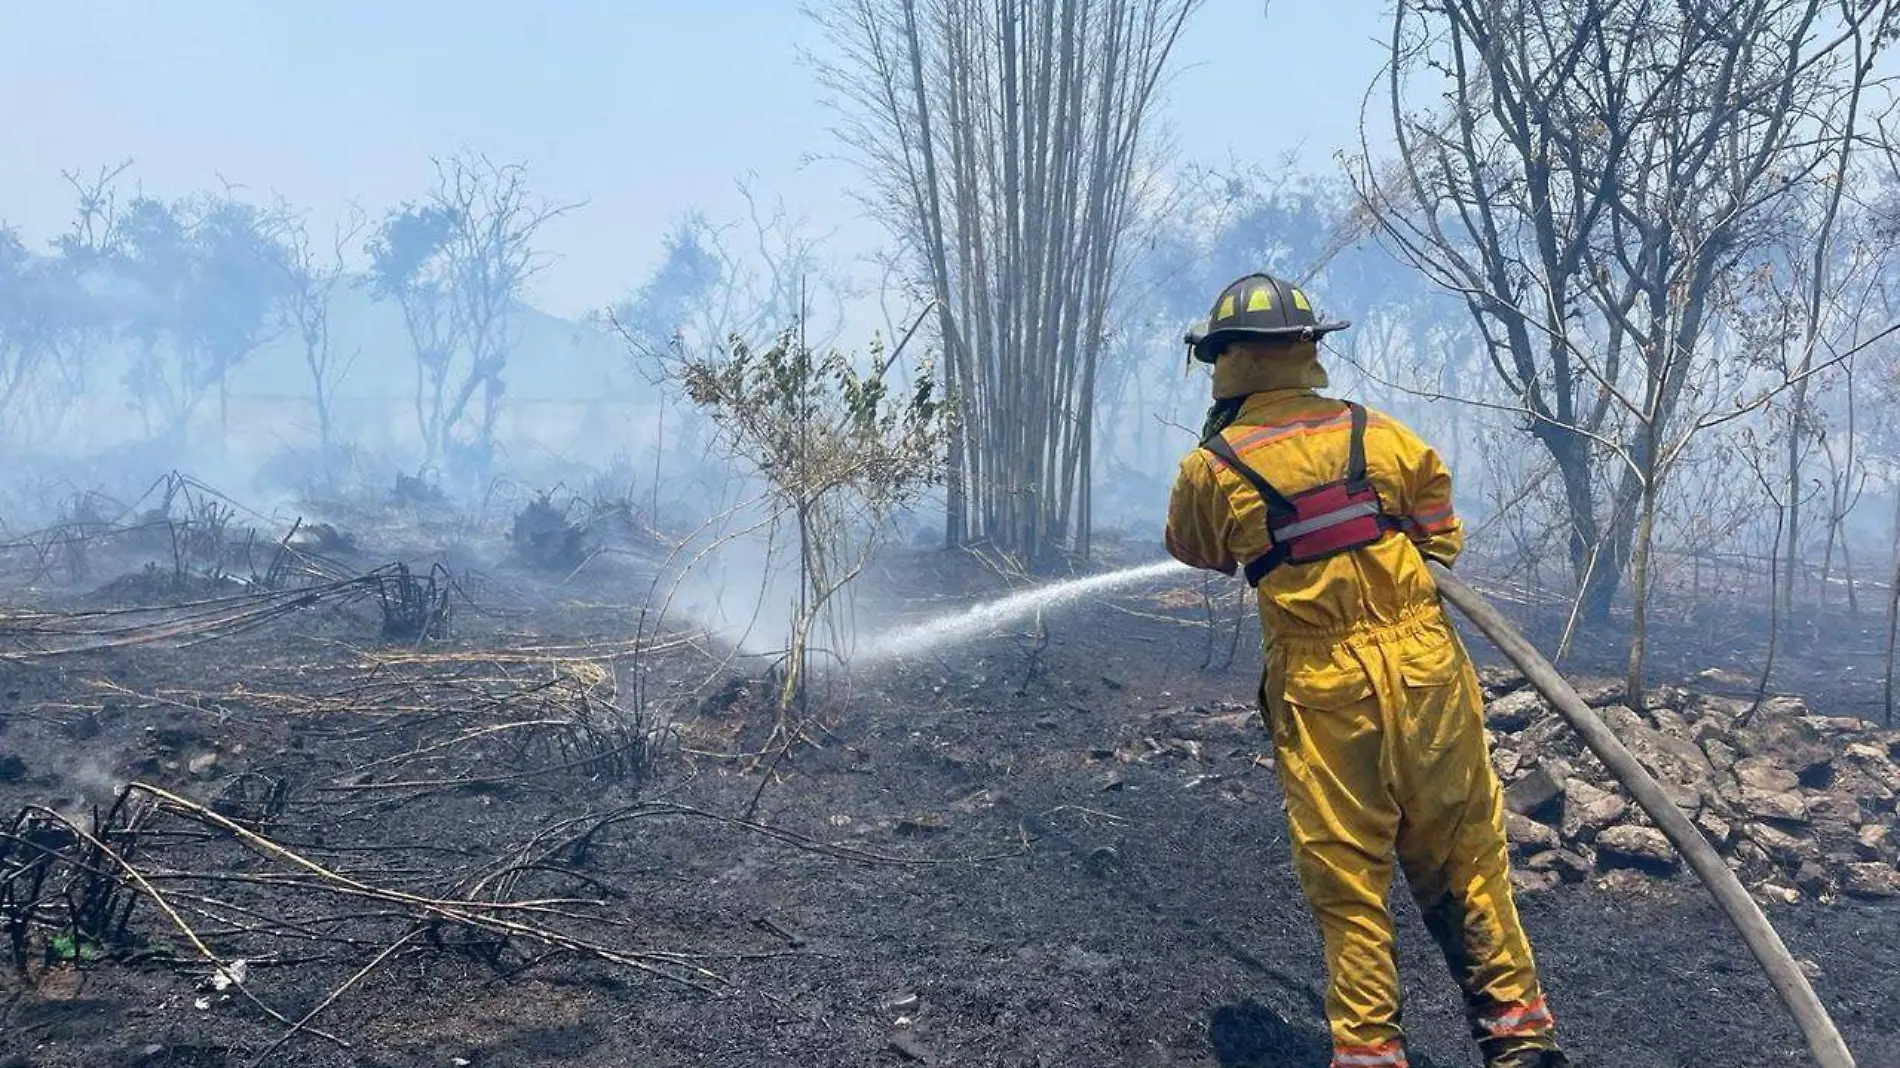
(1384, 1055)
(1529, 1018)
(1436, 521)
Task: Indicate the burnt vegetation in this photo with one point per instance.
(392, 673)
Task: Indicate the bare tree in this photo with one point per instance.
(459, 266)
(313, 281)
(1005, 144)
(1588, 174)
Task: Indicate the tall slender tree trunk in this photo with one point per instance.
(1639, 578)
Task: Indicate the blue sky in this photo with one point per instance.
(643, 109)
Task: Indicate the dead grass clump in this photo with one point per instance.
(415, 608)
(544, 538)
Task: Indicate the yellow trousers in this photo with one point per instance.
(1382, 753)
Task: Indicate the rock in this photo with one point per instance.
(1550, 737)
(1643, 848)
(1673, 760)
(1834, 726)
(1720, 753)
(1515, 711)
(1715, 828)
(1747, 853)
(1528, 883)
(1774, 893)
(1536, 795)
(1498, 681)
(1784, 848)
(1813, 880)
(1777, 729)
(1869, 773)
(1871, 881)
(202, 764)
(1588, 810)
(1670, 722)
(1762, 805)
(1665, 698)
(1623, 881)
(1507, 763)
(1876, 843)
(1570, 866)
(1762, 773)
(1528, 834)
(1687, 797)
(1597, 692)
(1835, 809)
(12, 768)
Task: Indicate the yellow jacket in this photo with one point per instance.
(1298, 439)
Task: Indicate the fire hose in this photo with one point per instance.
(1823, 1038)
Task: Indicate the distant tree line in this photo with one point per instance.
(189, 289)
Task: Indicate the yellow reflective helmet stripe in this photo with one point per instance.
(1260, 299)
(1299, 301)
(1226, 307)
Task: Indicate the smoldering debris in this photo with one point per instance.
(544, 538)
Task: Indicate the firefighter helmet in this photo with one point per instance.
(1258, 307)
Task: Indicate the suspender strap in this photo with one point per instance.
(1356, 460)
(1276, 502)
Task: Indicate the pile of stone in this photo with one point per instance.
(1800, 805)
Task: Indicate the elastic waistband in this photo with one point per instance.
(1418, 619)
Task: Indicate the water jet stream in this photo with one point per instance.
(977, 619)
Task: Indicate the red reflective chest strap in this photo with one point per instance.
(1321, 522)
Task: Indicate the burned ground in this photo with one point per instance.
(1055, 848)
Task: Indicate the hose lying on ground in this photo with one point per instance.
(1824, 1040)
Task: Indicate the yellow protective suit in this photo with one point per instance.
(1375, 712)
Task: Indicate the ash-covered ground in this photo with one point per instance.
(352, 815)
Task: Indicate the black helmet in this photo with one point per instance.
(1260, 307)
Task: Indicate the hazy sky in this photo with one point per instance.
(643, 108)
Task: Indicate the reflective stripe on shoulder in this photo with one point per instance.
(1264, 434)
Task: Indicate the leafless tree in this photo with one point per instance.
(459, 266)
(1588, 174)
(313, 281)
(1005, 142)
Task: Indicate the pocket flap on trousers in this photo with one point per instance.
(1326, 686)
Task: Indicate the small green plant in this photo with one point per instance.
(841, 449)
(66, 947)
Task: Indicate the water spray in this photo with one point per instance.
(979, 619)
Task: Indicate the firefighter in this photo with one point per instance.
(1331, 511)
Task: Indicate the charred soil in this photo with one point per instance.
(1059, 847)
